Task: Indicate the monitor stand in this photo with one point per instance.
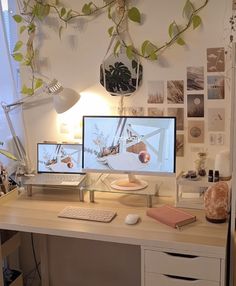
(129, 184)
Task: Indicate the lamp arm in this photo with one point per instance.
(19, 147)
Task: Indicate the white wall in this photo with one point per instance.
(75, 61)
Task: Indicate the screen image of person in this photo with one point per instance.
(59, 158)
(129, 144)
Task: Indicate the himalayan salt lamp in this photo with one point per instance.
(216, 200)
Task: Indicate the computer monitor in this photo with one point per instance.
(59, 158)
(129, 145)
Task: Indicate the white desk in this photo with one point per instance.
(198, 251)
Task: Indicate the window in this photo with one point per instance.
(8, 76)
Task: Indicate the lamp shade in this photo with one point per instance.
(65, 99)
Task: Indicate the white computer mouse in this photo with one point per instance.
(131, 219)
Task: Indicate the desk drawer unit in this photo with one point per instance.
(175, 269)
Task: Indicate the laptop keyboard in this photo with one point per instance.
(92, 214)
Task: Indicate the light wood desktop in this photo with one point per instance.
(168, 255)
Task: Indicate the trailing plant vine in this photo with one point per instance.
(34, 12)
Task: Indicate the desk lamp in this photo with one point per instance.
(63, 99)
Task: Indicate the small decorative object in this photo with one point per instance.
(216, 200)
(210, 176)
(222, 163)
(201, 163)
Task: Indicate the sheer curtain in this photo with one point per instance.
(9, 75)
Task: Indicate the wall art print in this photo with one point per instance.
(195, 131)
(180, 145)
(215, 60)
(216, 119)
(195, 78)
(154, 111)
(175, 91)
(155, 92)
(216, 87)
(179, 114)
(195, 105)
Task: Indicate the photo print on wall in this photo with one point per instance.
(216, 87)
(216, 119)
(175, 91)
(195, 78)
(155, 92)
(180, 145)
(179, 114)
(195, 105)
(234, 4)
(134, 111)
(215, 60)
(195, 131)
(153, 111)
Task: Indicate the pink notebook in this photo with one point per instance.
(171, 216)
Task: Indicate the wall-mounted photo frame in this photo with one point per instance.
(195, 78)
(155, 92)
(179, 114)
(154, 111)
(216, 60)
(216, 119)
(195, 105)
(180, 145)
(175, 91)
(216, 87)
(195, 131)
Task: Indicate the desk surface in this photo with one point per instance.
(38, 214)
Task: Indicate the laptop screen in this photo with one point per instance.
(59, 158)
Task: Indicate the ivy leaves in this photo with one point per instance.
(35, 11)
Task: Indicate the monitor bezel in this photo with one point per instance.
(109, 171)
(56, 143)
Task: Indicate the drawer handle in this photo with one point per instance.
(180, 278)
(181, 255)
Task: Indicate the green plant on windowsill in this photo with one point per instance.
(34, 12)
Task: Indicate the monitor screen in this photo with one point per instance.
(59, 158)
(122, 144)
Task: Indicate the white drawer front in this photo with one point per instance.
(153, 279)
(182, 265)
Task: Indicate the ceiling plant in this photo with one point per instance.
(34, 12)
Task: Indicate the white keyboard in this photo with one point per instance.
(87, 214)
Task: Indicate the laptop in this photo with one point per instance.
(58, 164)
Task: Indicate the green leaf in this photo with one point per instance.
(26, 90)
(173, 29)
(68, 15)
(17, 57)
(129, 52)
(22, 29)
(134, 15)
(63, 11)
(60, 31)
(38, 83)
(87, 9)
(153, 56)
(18, 45)
(110, 31)
(17, 18)
(180, 41)
(109, 12)
(144, 46)
(196, 21)
(31, 28)
(116, 48)
(188, 9)
(8, 154)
